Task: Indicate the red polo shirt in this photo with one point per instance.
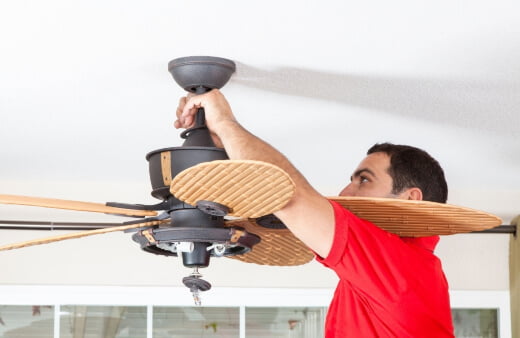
(389, 286)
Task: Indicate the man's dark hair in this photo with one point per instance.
(413, 167)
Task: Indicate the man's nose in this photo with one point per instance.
(348, 190)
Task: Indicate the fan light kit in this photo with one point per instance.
(198, 187)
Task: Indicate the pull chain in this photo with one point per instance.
(196, 284)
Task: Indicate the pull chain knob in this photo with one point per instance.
(196, 284)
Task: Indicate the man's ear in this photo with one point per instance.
(412, 194)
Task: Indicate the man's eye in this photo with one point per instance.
(363, 179)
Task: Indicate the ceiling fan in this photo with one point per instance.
(212, 206)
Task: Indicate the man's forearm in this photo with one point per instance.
(240, 144)
(308, 215)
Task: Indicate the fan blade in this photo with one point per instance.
(408, 218)
(402, 217)
(79, 235)
(249, 188)
(278, 247)
(71, 205)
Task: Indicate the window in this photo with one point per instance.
(471, 323)
(145, 312)
(285, 322)
(189, 321)
(23, 321)
(102, 321)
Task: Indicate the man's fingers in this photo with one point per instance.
(182, 101)
(189, 110)
(184, 114)
(188, 121)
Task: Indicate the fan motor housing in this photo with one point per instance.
(164, 164)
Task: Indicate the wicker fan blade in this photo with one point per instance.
(418, 218)
(71, 205)
(278, 247)
(249, 188)
(76, 235)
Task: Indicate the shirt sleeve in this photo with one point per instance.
(370, 257)
(340, 239)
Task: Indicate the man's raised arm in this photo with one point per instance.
(308, 214)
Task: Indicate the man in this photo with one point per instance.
(389, 286)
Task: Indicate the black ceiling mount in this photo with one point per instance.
(199, 74)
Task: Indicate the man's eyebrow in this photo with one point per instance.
(358, 172)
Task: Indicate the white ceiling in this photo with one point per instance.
(85, 91)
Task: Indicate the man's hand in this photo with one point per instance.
(217, 112)
(216, 107)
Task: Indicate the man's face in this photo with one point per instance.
(371, 178)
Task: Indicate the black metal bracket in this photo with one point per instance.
(213, 208)
(270, 222)
(159, 206)
(161, 217)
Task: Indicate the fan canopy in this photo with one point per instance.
(201, 73)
